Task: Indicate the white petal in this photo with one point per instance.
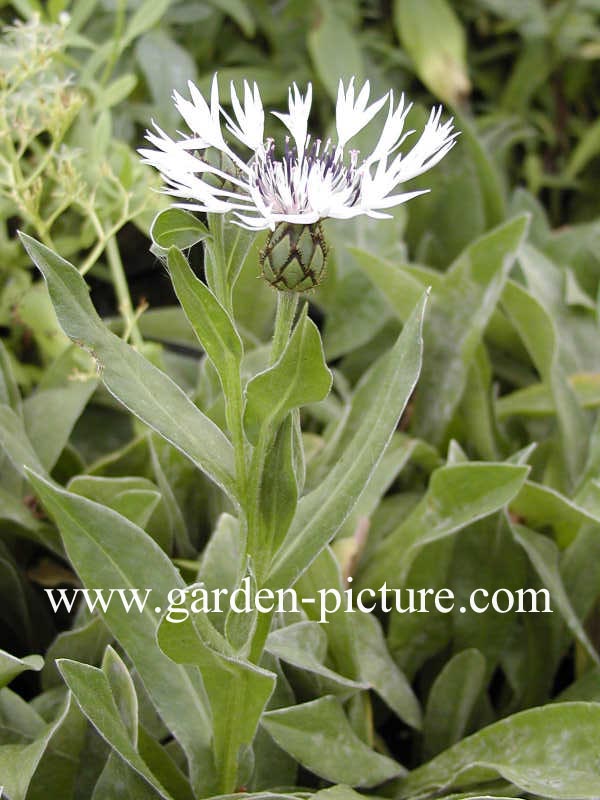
(351, 117)
(297, 119)
(250, 119)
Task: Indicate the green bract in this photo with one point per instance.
(294, 257)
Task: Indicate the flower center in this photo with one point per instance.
(293, 184)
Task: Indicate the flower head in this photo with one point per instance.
(311, 179)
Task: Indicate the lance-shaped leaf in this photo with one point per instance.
(141, 387)
(237, 690)
(211, 323)
(539, 333)
(15, 442)
(93, 692)
(379, 669)
(59, 398)
(433, 35)
(299, 377)
(451, 701)
(474, 282)
(544, 556)
(550, 751)
(279, 490)
(322, 512)
(304, 645)
(319, 736)
(457, 496)
(26, 768)
(11, 666)
(108, 551)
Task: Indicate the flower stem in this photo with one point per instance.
(287, 303)
(234, 412)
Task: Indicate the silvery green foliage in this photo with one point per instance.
(425, 417)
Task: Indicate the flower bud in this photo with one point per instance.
(294, 257)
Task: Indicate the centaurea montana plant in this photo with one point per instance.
(254, 452)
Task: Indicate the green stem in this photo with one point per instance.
(122, 290)
(287, 303)
(263, 626)
(234, 413)
(117, 45)
(257, 465)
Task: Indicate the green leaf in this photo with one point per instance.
(227, 252)
(379, 669)
(211, 323)
(108, 551)
(84, 642)
(240, 628)
(537, 400)
(474, 282)
(141, 387)
(118, 778)
(356, 312)
(300, 376)
(279, 490)
(15, 443)
(134, 498)
(148, 14)
(540, 506)
(9, 388)
(458, 495)
(548, 751)
(61, 396)
(237, 691)
(175, 521)
(93, 693)
(23, 521)
(20, 762)
(451, 701)
(123, 691)
(167, 66)
(163, 766)
(334, 49)
(219, 568)
(304, 645)
(11, 666)
(325, 573)
(61, 764)
(433, 36)
(538, 331)
(490, 178)
(544, 555)
(319, 736)
(400, 287)
(116, 92)
(485, 557)
(321, 513)
(587, 148)
(239, 12)
(175, 227)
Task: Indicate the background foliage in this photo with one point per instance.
(491, 478)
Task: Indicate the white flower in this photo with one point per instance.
(310, 179)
